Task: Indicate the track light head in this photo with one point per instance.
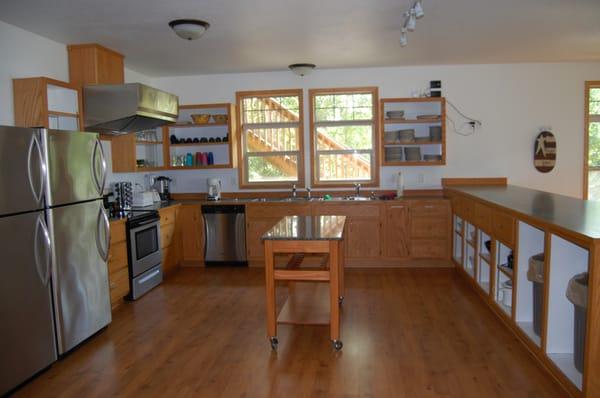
(411, 24)
(403, 38)
(418, 8)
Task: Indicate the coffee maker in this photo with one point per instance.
(214, 189)
(161, 184)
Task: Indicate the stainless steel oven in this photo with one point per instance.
(143, 242)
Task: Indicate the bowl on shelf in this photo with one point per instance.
(201, 118)
(394, 114)
(407, 135)
(428, 117)
(391, 136)
(393, 153)
(435, 133)
(219, 118)
(412, 154)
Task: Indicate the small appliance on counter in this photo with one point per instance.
(143, 199)
(161, 184)
(214, 189)
(123, 193)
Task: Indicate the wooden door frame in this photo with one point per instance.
(588, 85)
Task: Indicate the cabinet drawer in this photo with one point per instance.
(166, 235)
(117, 257)
(353, 210)
(117, 232)
(429, 227)
(428, 248)
(167, 215)
(504, 227)
(261, 210)
(119, 286)
(483, 217)
(430, 208)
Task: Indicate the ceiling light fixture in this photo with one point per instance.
(403, 38)
(410, 21)
(302, 69)
(189, 29)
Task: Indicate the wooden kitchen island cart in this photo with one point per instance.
(297, 237)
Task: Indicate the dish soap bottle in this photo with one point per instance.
(399, 185)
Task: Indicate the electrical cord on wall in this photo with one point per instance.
(468, 127)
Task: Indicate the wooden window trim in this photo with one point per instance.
(588, 86)
(243, 184)
(313, 161)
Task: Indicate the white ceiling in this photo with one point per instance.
(266, 35)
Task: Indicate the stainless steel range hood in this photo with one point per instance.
(127, 108)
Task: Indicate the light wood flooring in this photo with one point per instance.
(406, 333)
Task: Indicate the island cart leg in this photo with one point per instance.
(342, 259)
(270, 290)
(334, 294)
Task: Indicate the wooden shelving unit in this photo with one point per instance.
(224, 152)
(412, 108)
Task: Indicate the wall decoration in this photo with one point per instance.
(544, 153)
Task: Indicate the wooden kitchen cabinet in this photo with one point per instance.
(169, 238)
(429, 229)
(118, 271)
(95, 64)
(396, 232)
(192, 232)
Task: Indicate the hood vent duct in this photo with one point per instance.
(127, 108)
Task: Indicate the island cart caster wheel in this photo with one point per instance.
(341, 299)
(274, 343)
(337, 344)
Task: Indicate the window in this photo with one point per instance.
(344, 128)
(592, 142)
(271, 137)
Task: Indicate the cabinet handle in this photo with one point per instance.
(397, 207)
(429, 206)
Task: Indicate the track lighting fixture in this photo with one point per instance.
(403, 38)
(410, 21)
(419, 13)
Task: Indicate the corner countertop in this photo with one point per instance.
(572, 214)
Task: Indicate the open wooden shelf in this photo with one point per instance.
(506, 271)
(194, 125)
(148, 142)
(415, 163)
(398, 143)
(201, 143)
(412, 121)
(210, 166)
(307, 304)
(485, 257)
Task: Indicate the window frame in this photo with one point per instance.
(375, 165)
(586, 128)
(241, 155)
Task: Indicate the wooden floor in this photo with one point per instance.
(406, 333)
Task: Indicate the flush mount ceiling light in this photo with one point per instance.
(410, 21)
(302, 69)
(189, 29)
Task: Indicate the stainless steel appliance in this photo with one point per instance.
(214, 189)
(162, 186)
(225, 235)
(123, 192)
(123, 108)
(28, 341)
(80, 234)
(144, 253)
(55, 234)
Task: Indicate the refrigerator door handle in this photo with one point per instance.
(102, 219)
(100, 182)
(35, 142)
(44, 276)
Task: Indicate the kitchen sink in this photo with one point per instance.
(357, 198)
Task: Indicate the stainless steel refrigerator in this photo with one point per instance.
(55, 236)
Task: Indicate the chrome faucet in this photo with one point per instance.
(357, 189)
(293, 190)
(308, 193)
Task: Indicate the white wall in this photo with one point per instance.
(512, 100)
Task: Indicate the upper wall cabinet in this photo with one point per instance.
(94, 64)
(44, 102)
(413, 131)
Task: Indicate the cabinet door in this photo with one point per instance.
(255, 228)
(363, 238)
(192, 233)
(396, 235)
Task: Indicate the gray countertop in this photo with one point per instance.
(307, 228)
(577, 215)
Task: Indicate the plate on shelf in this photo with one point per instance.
(394, 115)
(429, 117)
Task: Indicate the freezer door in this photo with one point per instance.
(76, 166)
(27, 328)
(22, 170)
(80, 238)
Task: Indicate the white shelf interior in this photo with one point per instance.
(531, 242)
(62, 99)
(502, 295)
(471, 234)
(483, 264)
(458, 244)
(469, 260)
(566, 260)
(63, 122)
(152, 154)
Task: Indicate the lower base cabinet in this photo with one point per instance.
(118, 270)
(192, 232)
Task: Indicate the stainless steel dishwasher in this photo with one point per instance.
(225, 235)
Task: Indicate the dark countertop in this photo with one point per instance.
(577, 215)
(307, 228)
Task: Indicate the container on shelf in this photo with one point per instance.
(391, 136)
(201, 118)
(219, 118)
(412, 154)
(435, 133)
(432, 158)
(505, 293)
(393, 153)
(577, 293)
(407, 135)
(394, 114)
(535, 274)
